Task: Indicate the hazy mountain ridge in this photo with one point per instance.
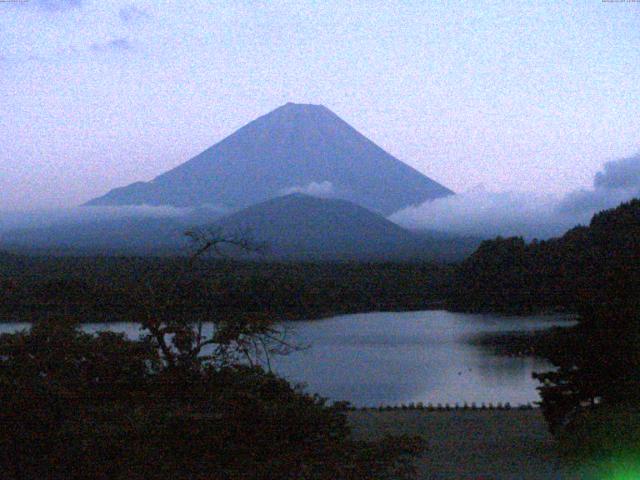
(288, 149)
(300, 226)
(293, 227)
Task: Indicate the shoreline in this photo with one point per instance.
(535, 343)
(439, 407)
(489, 444)
(104, 317)
(293, 316)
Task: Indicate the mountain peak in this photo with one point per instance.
(304, 106)
(310, 109)
(295, 148)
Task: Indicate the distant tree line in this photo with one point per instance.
(589, 265)
(106, 288)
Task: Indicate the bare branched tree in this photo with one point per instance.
(216, 340)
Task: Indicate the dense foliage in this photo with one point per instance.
(587, 266)
(108, 288)
(180, 403)
(603, 443)
(593, 271)
(81, 406)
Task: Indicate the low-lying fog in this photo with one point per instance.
(44, 218)
(477, 212)
(488, 214)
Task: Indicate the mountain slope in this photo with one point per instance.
(292, 148)
(298, 226)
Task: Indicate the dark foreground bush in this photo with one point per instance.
(76, 406)
(603, 442)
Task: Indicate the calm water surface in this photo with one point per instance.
(387, 358)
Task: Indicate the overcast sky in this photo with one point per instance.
(519, 96)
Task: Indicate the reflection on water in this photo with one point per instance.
(390, 358)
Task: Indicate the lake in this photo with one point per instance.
(390, 358)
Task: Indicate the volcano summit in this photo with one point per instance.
(293, 149)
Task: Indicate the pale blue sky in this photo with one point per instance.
(514, 95)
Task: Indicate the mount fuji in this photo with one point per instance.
(296, 148)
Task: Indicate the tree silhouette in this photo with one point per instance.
(179, 403)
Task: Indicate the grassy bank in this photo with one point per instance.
(513, 444)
